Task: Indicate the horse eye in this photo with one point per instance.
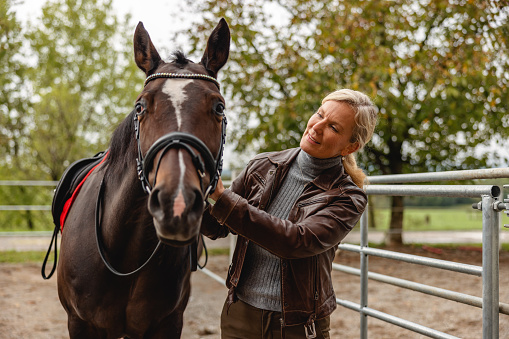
(139, 108)
(219, 109)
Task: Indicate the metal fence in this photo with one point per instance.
(489, 271)
(41, 183)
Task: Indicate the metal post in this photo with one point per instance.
(364, 275)
(490, 262)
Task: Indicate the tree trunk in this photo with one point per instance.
(29, 219)
(28, 214)
(395, 234)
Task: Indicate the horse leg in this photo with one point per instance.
(169, 328)
(79, 329)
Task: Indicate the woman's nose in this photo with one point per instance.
(318, 127)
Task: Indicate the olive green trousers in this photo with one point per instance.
(243, 321)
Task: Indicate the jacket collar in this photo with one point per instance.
(326, 181)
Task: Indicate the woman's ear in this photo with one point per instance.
(352, 147)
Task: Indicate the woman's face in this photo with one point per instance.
(329, 131)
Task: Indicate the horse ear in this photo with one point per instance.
(145, 54)
(218, 48)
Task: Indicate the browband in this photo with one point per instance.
(182, 76)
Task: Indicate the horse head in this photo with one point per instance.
(180, 125)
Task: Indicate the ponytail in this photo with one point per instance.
(356, 173)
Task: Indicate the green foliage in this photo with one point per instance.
(437, 70)
(26, 220)
(65, 84)
(12, 74)
(85, 81)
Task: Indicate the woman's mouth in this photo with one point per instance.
(312, 140)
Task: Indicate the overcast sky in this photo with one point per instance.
(158, 18)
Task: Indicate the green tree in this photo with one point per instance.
(13, 103)
(437, 69)
(80, 82)
(85, 81)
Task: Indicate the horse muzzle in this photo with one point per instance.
(176, 215)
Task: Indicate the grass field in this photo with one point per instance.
(23, 257)
(444, 219)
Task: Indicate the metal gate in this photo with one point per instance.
(490, 207)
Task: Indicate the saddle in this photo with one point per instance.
(71, 179)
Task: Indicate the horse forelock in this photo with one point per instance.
(178, 57)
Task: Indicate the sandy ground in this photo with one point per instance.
(29, 306)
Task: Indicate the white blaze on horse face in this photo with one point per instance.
(174, 88)
(179, 204)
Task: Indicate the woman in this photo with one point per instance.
(291, 209)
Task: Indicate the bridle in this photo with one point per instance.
(203, 161)
(180, 140)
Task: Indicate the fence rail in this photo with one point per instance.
(490, 173)
(491, 307)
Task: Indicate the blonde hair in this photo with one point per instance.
(366, 115)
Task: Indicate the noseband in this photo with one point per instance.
(203, 162)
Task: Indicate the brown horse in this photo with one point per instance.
(172, 142)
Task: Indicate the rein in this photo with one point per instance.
(143, 165)
(100, 246)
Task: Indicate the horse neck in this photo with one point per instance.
(128, 229)
(124, 202)
(122, 185)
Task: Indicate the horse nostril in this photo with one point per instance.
(154, 204)
(198, 201)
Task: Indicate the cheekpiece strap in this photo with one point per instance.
(182, 76)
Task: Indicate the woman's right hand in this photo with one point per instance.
(219, 190)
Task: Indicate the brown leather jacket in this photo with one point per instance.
(322, 216)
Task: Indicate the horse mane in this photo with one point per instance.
(122, 148)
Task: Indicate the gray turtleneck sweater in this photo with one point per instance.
(260, 281)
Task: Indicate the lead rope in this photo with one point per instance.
(43, 269)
